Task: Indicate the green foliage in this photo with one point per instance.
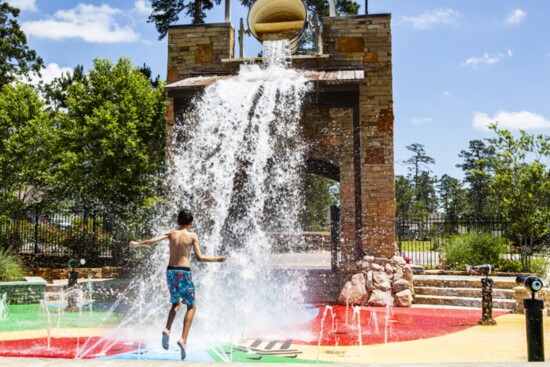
(478, 174)
(404, 196)
(510, 266)
(539, 266)
(26, 142)
(473, 249)
(522, 182)
(166, 12)
(452, 197)
(111, 140)
(10, 266)
(319, 197)
(16, 59)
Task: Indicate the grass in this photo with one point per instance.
(417, 246)
(35, 317)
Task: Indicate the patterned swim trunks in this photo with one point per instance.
(180, 284)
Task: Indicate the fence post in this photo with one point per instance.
(36, 219)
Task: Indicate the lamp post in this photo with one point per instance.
(72, 285)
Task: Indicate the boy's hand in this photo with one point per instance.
(222, 259)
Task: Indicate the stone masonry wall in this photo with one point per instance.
(366, 41)
(18, 293)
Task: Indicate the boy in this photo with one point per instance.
(178, 274)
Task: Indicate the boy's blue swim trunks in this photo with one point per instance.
(180, 284)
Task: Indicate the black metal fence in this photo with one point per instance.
(421, 240)
(89, 234)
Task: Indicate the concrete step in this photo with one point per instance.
(55, 287)
(462, 292)
(461, 282)
(507, 304)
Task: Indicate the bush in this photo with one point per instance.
(473, 249)
(10, 266)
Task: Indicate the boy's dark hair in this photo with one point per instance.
(185, 217)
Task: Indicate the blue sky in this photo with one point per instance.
(457, 64)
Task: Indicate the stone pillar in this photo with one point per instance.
(365, 42)
(199, 48)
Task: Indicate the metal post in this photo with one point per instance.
(366, 7)
(535, 333)
(334, 236)
(331, 8)
(36, 220)
(487, 302)
(228, 11)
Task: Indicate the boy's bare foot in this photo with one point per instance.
(165, 338)
(183, 349)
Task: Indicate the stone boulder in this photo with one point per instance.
(380, 298)
(400, 285)
(404, 298)
(354, 291)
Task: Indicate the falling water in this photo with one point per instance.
(3, 307)
(235, 162)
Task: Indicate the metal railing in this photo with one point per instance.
(87, 234)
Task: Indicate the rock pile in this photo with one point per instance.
(377, 281)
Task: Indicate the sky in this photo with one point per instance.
(457, 64)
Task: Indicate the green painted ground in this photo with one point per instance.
(35, 317)
(240, 355)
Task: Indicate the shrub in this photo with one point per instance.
(10, 266)
(473, 249)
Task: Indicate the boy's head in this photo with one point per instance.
(185, 217)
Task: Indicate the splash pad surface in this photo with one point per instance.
(340, 334)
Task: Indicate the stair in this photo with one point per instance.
(462, 291)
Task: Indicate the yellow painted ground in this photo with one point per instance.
(505, 342)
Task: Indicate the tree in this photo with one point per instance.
(55, 92)
(166, 12)
(478, 175)
(16, 59)
(319, 197)
(111, 140)
(522, 181)
(419, 161)
(425, 198)
(404, 196)
(26, 139)
(452, 196)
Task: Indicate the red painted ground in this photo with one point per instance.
(60, 348)
(380, 325)
(339, 327)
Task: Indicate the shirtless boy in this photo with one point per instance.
(178, 274)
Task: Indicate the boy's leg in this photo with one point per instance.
(172, 315)
(166, 332)
(187, 321)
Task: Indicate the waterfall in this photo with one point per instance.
(235, 162)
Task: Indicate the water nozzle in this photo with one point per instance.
(532, 283)
(74, 263)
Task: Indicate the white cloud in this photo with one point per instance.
(23, 4)
(515, 17)
(96, 24)
(446, 93)
(50, 72)
(432, 18)
(487, 59)
(142, 7)
(422, 120)
(524, 120)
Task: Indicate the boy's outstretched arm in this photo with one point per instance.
(149, 242)
(205, 259)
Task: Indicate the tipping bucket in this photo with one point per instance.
(271, 20)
